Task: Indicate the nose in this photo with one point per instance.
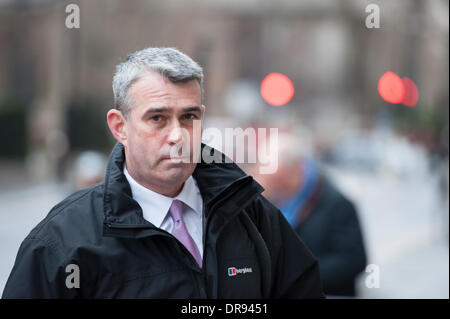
(175, 135)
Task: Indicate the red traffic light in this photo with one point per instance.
(277, 89)
(391, 88)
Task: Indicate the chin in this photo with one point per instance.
(177, 174)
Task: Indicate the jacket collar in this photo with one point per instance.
(219, 183)
(155, 206)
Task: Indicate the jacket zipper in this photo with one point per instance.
(231, 190)
(161, 232)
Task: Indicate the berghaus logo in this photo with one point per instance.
(233, 271)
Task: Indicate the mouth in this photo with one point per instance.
(175, 159)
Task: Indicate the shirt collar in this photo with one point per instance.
(156, 206)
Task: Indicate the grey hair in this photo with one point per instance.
(169, 62)
(295, 144)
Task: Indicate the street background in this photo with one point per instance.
(391, 160)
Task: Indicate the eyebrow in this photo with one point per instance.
(168, 110)
(192, 109)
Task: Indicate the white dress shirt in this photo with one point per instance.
(155, 207)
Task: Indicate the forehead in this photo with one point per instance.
(153, 88)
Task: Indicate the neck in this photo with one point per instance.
(165, 190)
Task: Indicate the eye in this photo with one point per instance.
(190, 116)
(156, 118)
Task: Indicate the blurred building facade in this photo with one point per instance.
(55, 89)
(333, 59)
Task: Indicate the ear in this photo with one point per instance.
(117, 125)
(203, 110)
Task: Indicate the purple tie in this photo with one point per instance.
(180, 231)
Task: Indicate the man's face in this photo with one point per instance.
(160, 119)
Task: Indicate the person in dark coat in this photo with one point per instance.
(325, 220)
(164, 224)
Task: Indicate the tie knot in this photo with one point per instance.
(176, 210)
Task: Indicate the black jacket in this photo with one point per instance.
(119, 254)
(329, 226)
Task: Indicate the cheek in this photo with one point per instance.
(143, 135)
(195, 135)
(143, 143)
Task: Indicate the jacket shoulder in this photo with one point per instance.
(70, 215)
(262, 208)
(295, 272)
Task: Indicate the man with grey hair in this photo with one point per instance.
(163, 225)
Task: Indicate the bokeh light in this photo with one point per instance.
(391, 88)
(277, 89)
(411, 92)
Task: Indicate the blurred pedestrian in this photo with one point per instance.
(323, 217)
(89, 169)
